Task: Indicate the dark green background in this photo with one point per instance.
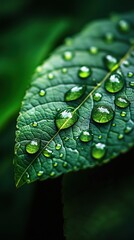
(30, 30)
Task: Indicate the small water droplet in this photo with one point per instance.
(64, 70)
(68, 55)
(98, 151)
(97, 97)
(99, 137)
(131, 84)
(47, 153)
(55, 164)
(86, 136)
(38, 69)
(33, 146)
(121, 102)
(128, 129)
(123, 114)
(126, 63)
(65, 164)
(34, 124)
(130, 74)
(58, 146)
(102, 114)
(110, 62)
(114, 124)
(123, 26)
(84, 72)
(50, 76)
(42, 93)
(52, 174)
(75, 93)
(40, 173)
(114, 83)
(28, 181)
(61, 155)
(66, 118)
(120, 136)
(109, 37)
(93, 50)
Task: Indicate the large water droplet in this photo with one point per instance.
(114, 83)
(110, 62)
(102, 114)
(97, 97)
(58, 146)
(68, 55)
(98, 151)
(84, 72)
(86, 136)
(33, 146)
(47, 152)
(75, 93)
(121, 102)
(42, 93)
(93, 50)
(124, 26)
(130, 74)
(66, 118)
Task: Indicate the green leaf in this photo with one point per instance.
(99, 204)
(54, 135)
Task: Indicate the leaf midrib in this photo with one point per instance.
(76, 109)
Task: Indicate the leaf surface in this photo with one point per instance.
(57, 127)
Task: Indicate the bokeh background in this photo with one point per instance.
(30, 30)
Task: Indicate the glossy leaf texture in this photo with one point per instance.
(79, 109)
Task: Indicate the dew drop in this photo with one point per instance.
(64, 70)
(66, 118)
(97, 97)
(121, 102)
(40, 173)
(50, 76)
(123, 114)
(114, 83)
(98, 150)
(65, 164)
(86, 136)
(84, 72)
(128, 129)
(33, 146)
(93, 50)
(68, 55)
(42, 93)
(120, 136)
(47, 153)
(102, 114)
(126, 63)
(113, 124)
(75, 93)
(130, 74)
(58, 146)
(34, 124)
(131, 84)
(99, 137)
(55, 164)
(52, 174)
(61, 155)
(110, 62)
(109, 37)
(123, 26)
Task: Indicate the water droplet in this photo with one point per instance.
(55, 164)
(114, 124)
(128, 129)
(50, 76)
(84, 72)
(47, 153)
(66, 118)
(114, 83)
(65, 164)
(93, 50)
(75, 93)
(102, 114)
(99, 137)
(34, 124)
(38, 69)
(64, 70)
(86, 136)
(110, 62)
(123, 114)
(52, 174)
(58, 146)
(120, 136)
(97, 97)
(126, 63)
(61, 155)
(40, 173)
(33, 146)
(42, 93)
(124, 26)
(98, 150)
(109, 37)
(28, 181)
(131, 84)
(130, 74)
(68, 55)
(121, 102)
